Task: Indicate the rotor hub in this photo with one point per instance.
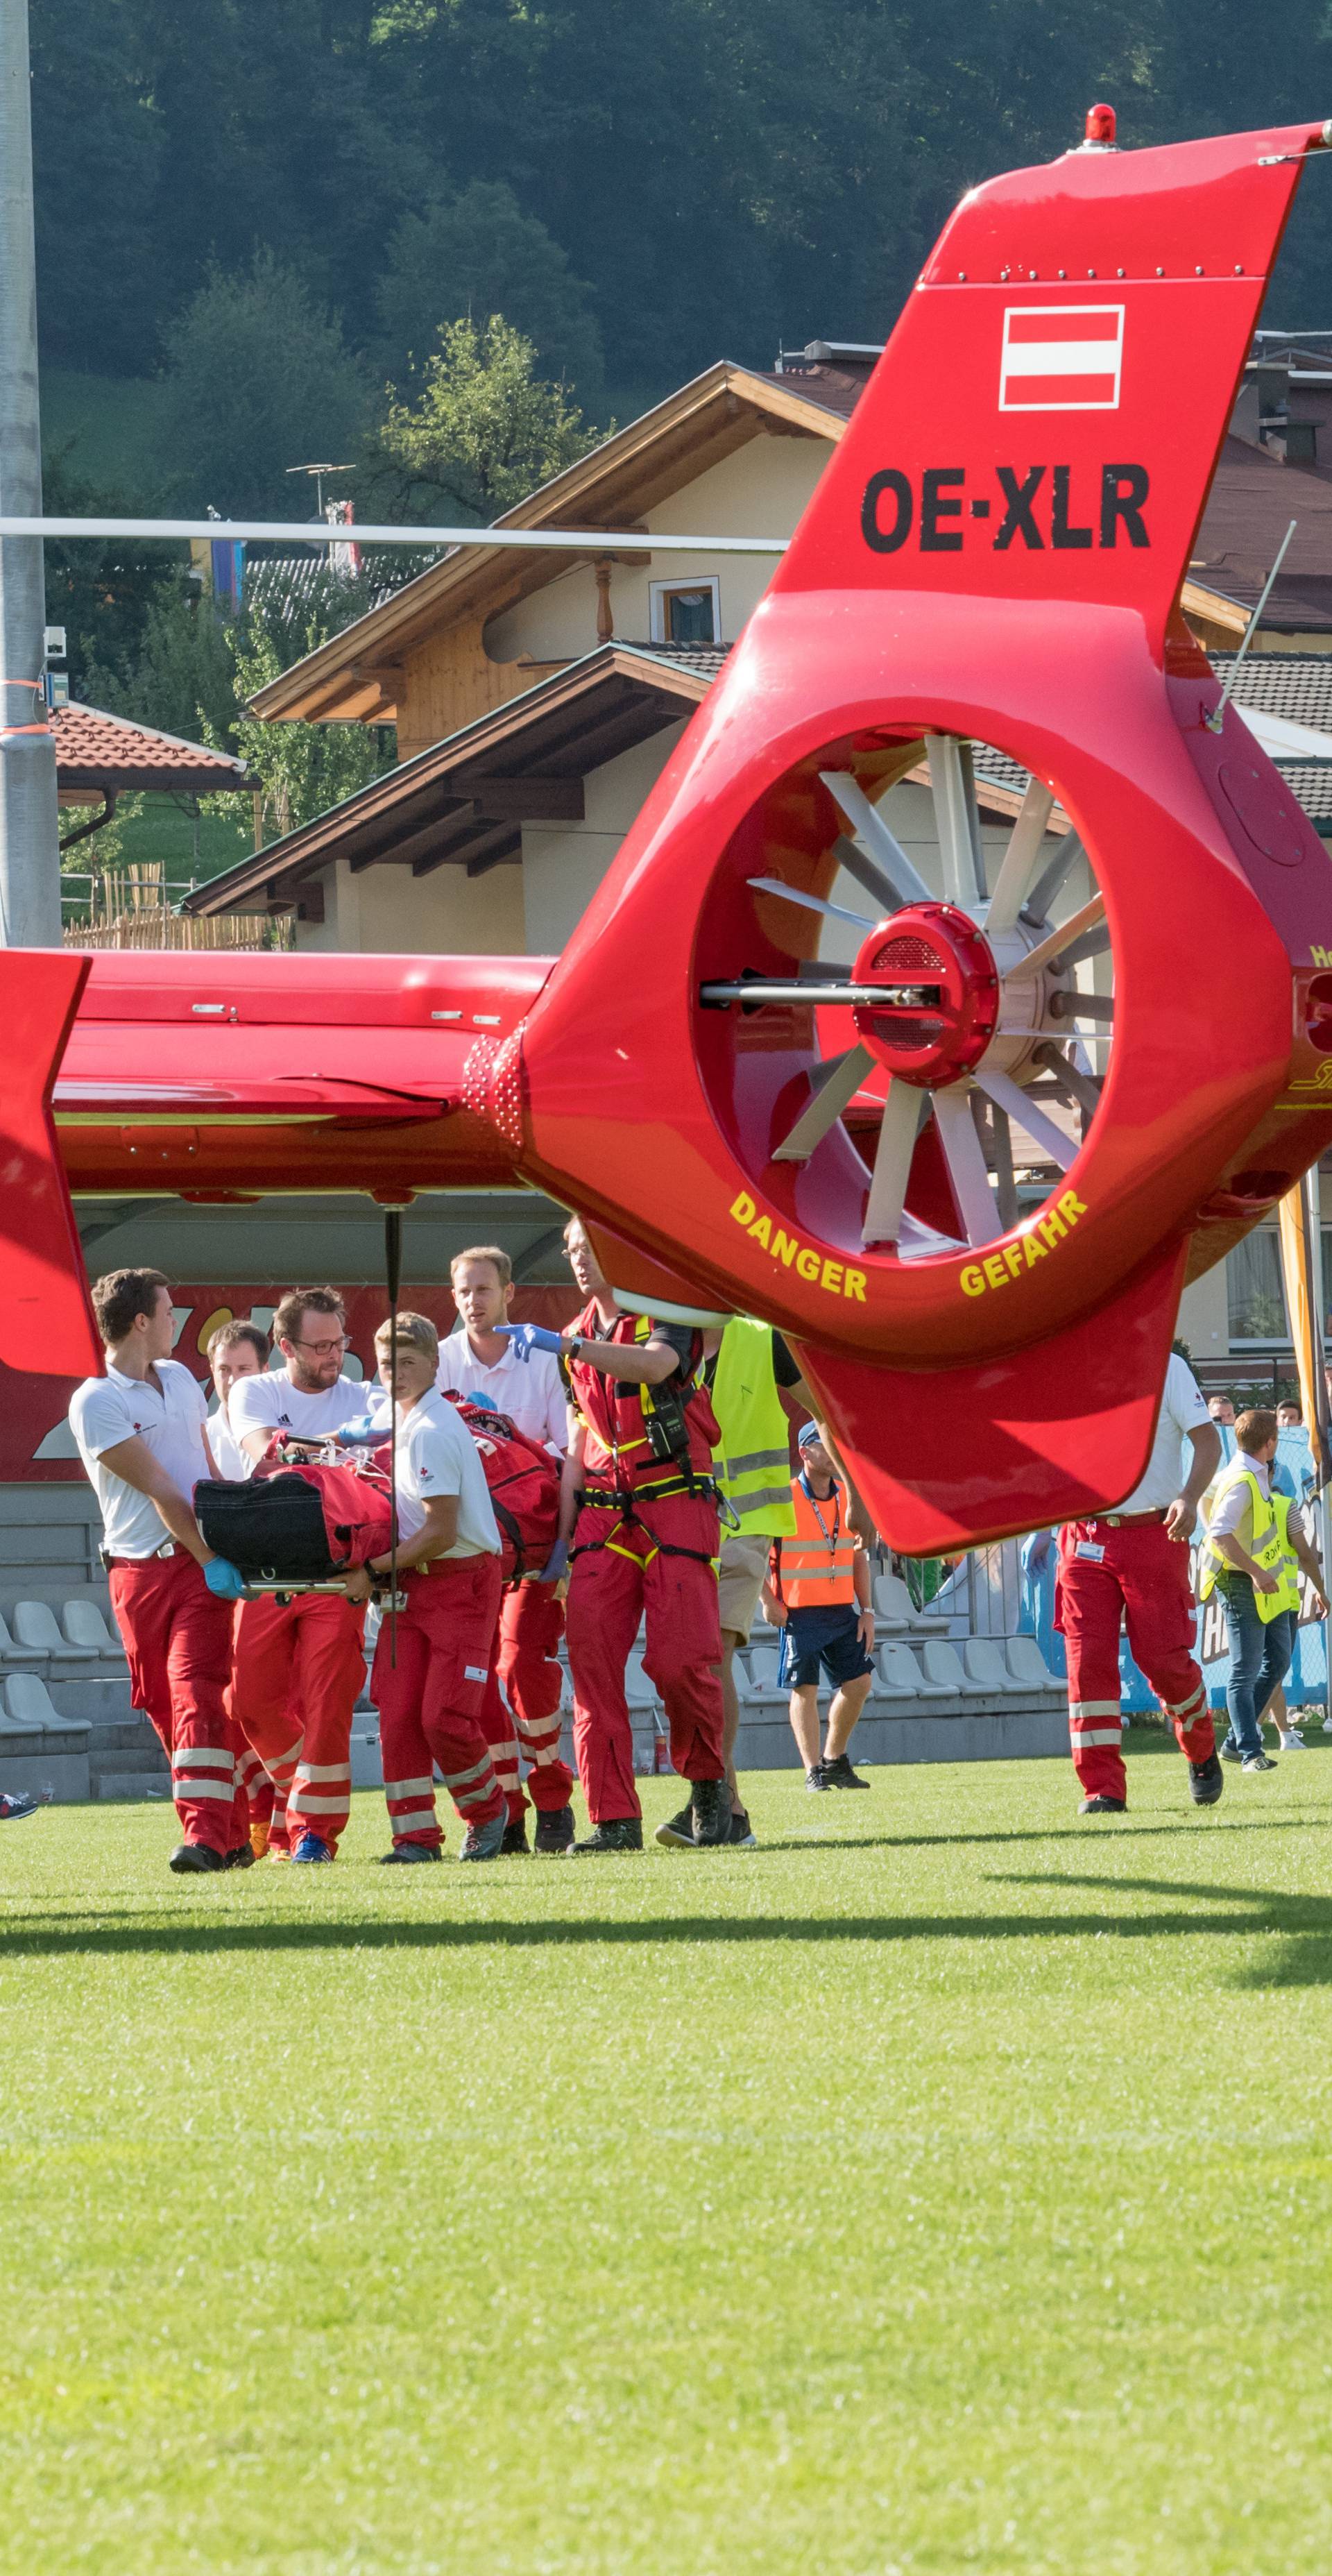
(939, 1027)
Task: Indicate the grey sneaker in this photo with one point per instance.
(485, 1842)
(814, 1778)
(1259, 1762)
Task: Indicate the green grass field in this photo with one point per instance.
(944, 2186)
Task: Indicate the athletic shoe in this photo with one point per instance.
(1103, 1807)
(1327, 1726)
(259, 1841)
(839, 1774)
(515, 1838)
(742, 1836)
(277, 1851)
(554, 1830)
(711, 1803)
(814, 1778)
(1206, 1781)
(240, 1857)
(410, 1851)
(485, 1842)
(1291, 1741)
(677, 1829)
(195, 1858)
(312, 1847)
(620, 1834)
(1259, 1762)
(14, 1804)
(1232, 1752)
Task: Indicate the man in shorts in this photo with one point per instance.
(818, 1594)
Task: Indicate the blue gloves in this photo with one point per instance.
(1036, 1552)
(361, 1434)
(527, 1338)
(224, 1579)
(555, 1563)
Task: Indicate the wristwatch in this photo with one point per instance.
(573, 1343)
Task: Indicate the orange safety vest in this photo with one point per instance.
(815, 1570)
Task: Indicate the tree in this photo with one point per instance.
(481, 254)
(181, 675)
(101, 594)
(260, 379)
(483, 431)
(303, 768)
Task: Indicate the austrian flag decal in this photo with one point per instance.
(1061, 357)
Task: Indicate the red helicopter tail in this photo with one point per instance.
(45, 1320)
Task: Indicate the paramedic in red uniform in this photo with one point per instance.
(140, 1434)
(479, 1360)
(238, 1350)
(299, 1665)
(639, 1507)
(1134, 1563)
(431, 1679)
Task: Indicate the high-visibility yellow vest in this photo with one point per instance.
(752, 1461)
(815, 1569)
(1271, 1546)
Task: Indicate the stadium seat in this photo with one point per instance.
(899, 1672)
(84, 1626)
(943, 1666)
(925, 1685)
(12, 1653)
(895, 1608)
(35, 1625)
(984, 1666)
(1028, 1666)
(639, 1691)
(28, 1703)
(764, 1689)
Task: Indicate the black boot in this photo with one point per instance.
(515, 1838)
(621, 1834)
(195, 1858)
(711, 1802)
(554, 1830)
(1103, 1806)
(1206, 1781)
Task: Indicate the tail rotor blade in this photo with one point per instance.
(1020, 857)
(905, 881)
(1009, 1095)
(844, 1076)
(1061, 940)
(902, 1115)
(953, 788)
(810, 902)
(965, 1158)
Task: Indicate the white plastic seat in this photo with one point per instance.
(904, 1666)
(84, 1626)
(13, 1653)
(899, 1672)
(984, 1666)
(942, 1664)
(1028, 1666)
(35, 1625)
(639, 1691)
(28, 1703)
(764, 1688)
(894, 1606)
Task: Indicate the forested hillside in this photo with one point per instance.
(638, 185)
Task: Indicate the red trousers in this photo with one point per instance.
(430, 1702)
(297, 1672)
(177, 1638)
(526, 1666)
(1138, 1573)
(624, 1571)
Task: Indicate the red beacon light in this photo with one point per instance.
(1100, 129)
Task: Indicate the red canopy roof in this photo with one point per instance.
(94, 749)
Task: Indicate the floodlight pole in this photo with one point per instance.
(29, 830)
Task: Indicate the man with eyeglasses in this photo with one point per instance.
(299, 1665)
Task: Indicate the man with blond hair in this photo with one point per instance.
(479, 1361)
(433, 1665)
(299, 1664)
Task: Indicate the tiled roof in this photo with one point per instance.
(706, 659)
(289, 582)
(1295, 685)
(94, 749)
(1253, 499)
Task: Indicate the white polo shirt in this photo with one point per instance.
(269, 1403)
(231, 1461)
(107, 1410)
(1182, 1410)
(530, 1391)
(437, 1455)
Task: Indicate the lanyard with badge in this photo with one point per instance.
(831, 1536)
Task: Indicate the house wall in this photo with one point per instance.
(388, 911)
(761, 490)
(564, 863)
